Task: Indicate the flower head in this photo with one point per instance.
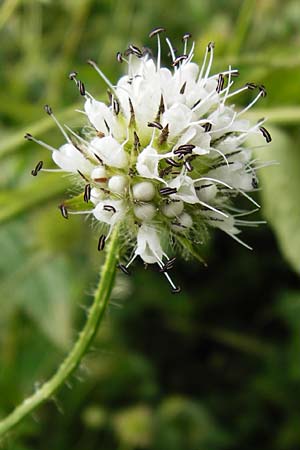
(166, 157)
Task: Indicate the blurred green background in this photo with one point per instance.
(217, 367)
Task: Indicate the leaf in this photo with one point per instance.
(280, 194)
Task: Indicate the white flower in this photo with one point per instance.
(165, 157)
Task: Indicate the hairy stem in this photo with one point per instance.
(80, 347)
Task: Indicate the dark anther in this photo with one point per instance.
(87, 193)
(132, 114)
(64, 211)
(167, 191)
(156, 31)
(81, 87)
(210, 46)
(123, 268)
(262, 89)
(254, 183)
(235, 73)
(173, 163)
(48, 109)
(101, 242)
(110, 97)
(188, 166)
(266, 134)
(116, 106)
(37, 168)
(184, 149)
(119, 57)
(72, 75)
(107, 126)
(82, 176)
(136, 141)
(220, 84)
(168, 265)
(182, 89)
(109, 208)
(164, 135)
(155, 125)
(100, 135)
(99, 159)
(176, 290)
(207, 127)
(161, 108)
(186, 36)
(28, 136)
(179, 59)
(251, 86)
(135, 50)
(203, 186)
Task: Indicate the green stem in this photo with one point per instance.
(80, 347)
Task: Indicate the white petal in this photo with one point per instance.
(110, 151)
(148, 245)
(70, 159)
(97, 113)
(147, 163)
(178, 117)
(109, 217)
(185, 189)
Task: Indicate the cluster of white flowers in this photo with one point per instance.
(165, 157)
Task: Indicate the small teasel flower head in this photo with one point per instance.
(165, 158)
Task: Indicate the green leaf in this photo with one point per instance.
(280, 194)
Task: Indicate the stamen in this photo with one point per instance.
(82, 175)
(220, 84)
(262, 89)
(155, 125)
(182, 89)
(179, 59)
(101, 242)
(132, 114)
(135, 51)
(29, 137)
(265, 134)
(167, 191)
(188, 166)
(104, 78)
(185, 149)
(156, 31)
(119, 57)
(87, 193)
(81, 87)
(116, 106)
(173, 163)
(171, 49)
(260, 94)
(185, 39)
(161, 108)
(49, 111)
(64, 211)
(72, 76)
(207, 127)
(110, 208)
(37, 168)
(251, 86)
(123, 268)
(164, 135)
(136, 142)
